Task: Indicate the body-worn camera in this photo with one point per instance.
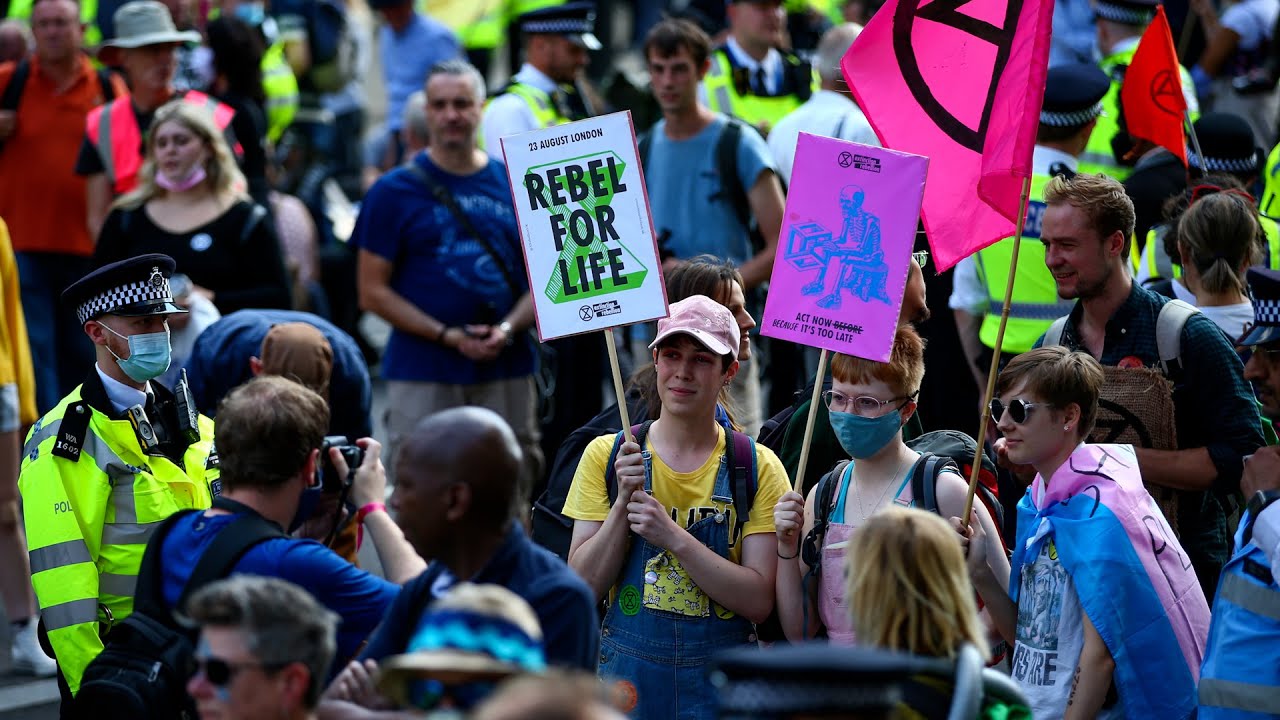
(353, 454)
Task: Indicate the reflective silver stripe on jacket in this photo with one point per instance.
(120, 585)
(75, 612)
(1032, 311)
(70, 552)
(104, 143)
(128, 533)
(1240, 696)
(1253, 598)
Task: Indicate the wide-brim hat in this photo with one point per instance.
(474, 633)
(146, 22)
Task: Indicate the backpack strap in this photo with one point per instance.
(727, 166)
(148, 593)
(639, 432)
(742, 458)
(256, 215)
(645, 147)
(1172, 319)
(1053, 336)
(824, 502)
(233, 541)
(13, 91)
(104, 81)
(924, 480)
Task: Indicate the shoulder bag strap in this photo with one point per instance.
(13, 91)
(247, 530)
(445, 198)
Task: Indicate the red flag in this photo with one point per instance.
(1154, 106)
(962, 82)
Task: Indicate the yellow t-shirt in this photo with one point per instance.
(687, 496)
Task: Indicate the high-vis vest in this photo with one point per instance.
(541, 103)
(90, 500)
(479, 24)
(113, 130)
(1270, 202)
(1098, 157)
(1240, 675)
(21, 9)
(281, 88)
(1035, 303)
(1159, 265)
(763, 112)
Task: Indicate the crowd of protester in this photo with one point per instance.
(208, 209)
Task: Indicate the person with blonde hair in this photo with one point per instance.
(1106, 614)
(908, 589)
(190, 204)
(869, 402)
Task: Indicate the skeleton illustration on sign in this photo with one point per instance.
(852, 261)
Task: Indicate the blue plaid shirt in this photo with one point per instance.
(1214, 407)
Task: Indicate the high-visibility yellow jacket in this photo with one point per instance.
(1035, 303)
(281, 88)
(1160, 266)
(732, 96)
(1269, 205)
(90, 500)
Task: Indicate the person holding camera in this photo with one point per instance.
(271, 439)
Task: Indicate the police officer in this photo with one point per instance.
(1229, 148)
(1072, 107)
(750, 77)
(1120, 24)
(110, 461)
(545, 91)
(1240, 676)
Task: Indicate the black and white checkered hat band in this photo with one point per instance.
(1124, 15)
(135, 293)
(1213, 164)
(1070, 119)
(559, 27)
(1266, 312)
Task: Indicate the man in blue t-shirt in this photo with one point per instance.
(268, 439)
(456, 498)
(458, 304)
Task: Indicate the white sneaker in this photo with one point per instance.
(28, 656)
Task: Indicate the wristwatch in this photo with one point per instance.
(1261, 500)
(507, 330)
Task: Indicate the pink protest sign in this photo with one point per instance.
(845, 248)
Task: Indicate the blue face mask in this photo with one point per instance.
(307, 505)
(149, 354)
(863, 437)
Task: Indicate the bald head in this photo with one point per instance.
(473, 446)
(832, 48)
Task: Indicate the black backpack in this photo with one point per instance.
(142, 672)
(553, 530)
(939, 450)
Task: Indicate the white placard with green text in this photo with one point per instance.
(588, 240)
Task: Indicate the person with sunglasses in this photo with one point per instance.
(869, 404)
(265, 646)
(1085, 229)
(1107, 617)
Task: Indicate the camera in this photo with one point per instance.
(353, 454)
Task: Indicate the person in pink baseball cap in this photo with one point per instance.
(674, 528)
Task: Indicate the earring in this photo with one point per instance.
(1066, 428)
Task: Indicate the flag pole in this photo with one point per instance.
(612, 345)
(1195, 142)
(995, 355)
(818, 379)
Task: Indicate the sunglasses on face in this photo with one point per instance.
(1019, 410)
(221, 672)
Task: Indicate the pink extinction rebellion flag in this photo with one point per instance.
(962, 84)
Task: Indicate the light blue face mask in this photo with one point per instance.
(149, 354)
(863, 437)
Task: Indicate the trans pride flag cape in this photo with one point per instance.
(1134, 580)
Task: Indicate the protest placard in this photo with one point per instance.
(845, 249)
(588, 239)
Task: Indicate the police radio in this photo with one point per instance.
(185, 405)
(142, 428)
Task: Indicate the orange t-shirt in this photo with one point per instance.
(41, 197)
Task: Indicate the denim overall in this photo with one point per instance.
(661, 655)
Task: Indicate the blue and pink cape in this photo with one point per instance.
(1134, 580)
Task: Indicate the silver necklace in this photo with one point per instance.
(892, 480)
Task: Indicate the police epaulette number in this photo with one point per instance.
(71, 431)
